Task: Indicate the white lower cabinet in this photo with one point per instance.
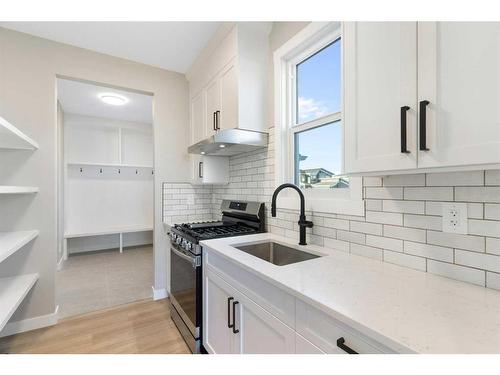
(235, 324)
(304, 346)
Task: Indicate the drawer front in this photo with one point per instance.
(271, 298)
(303, 346)
(323, 331)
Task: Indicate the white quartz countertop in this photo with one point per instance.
(404, 309)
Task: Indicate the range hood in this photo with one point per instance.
(230, 142)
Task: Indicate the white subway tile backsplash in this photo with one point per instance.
(493, 280)
(492, 211)
(385, 243)
(422, 221)
(363, 227)
(465, 178)
(332, 243)
(477, 194)
(384, 217)
(428, 193)
(484, 228)
(403, 233)
(384, 192)
(493, 245)
(402, 222)
(492, 177)
(478, 260)
(407, 207)
(459, 241)
(474, 210)
(453, 271)
(429, 251)
(405, 260)
(404, 180)
(352, 237)
(366, 251)
(373, 205)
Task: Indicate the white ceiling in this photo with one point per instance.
(168, 45)
(83, 99)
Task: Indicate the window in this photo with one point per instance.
(309, 131)
(316, 128)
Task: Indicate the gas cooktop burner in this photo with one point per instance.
(214, 229)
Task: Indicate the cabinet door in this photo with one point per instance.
(229, 97)
(213, 105)
(217, 336)
(259, 331)
(198, 117)
(459, 75)
(380, 78)
(303, 346)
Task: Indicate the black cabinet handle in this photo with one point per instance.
(214, 120)
(234, 318)
(229, 325)
(341, 344)
(404, 148)
(423, 125)
(200, 169)
(217, 120)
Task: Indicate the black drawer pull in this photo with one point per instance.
(404, 148)
(341, 344)
(229, 325)
(234, 318)
(217, 120)
(423, 125)
(214, 121)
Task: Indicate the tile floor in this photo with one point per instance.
(99, 280)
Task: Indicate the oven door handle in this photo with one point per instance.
(193, 260)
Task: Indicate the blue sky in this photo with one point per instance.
(318, 94)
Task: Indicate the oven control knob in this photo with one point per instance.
(178, 240)
(189, 246)
(172, 236)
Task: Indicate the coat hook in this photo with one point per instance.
(100, 170)
(119, 171)
(81, 170)
(136, 171)
(152, 171)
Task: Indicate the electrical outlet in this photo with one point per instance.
(455, 218)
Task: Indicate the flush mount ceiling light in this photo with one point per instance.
(113, 99)
(222, 146)
(203, 152)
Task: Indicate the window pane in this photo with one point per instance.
(318, 84)
(318, 157)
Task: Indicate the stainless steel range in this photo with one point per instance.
(238, 218)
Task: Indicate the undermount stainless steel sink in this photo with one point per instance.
(276, 253)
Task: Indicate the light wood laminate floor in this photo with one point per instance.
(140, 327)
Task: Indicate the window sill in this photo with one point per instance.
(323, 205)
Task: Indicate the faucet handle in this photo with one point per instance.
(306, 223)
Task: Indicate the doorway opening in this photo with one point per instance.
(105, 197)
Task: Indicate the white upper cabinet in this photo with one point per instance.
(198, 117)
(459, 75)
(450, 112)
(380, 73)
(232, 76)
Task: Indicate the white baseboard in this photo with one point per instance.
(31, 324)
(60, 264)
(159, 293)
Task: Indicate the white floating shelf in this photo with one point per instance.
(117, 165)
(102, 232)
(12, 138)
(13, 290)
(10, 242)
(18, 189)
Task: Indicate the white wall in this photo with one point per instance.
(28, 70)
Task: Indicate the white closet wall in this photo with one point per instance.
(108, 183)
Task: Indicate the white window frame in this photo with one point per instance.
(304, 44)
